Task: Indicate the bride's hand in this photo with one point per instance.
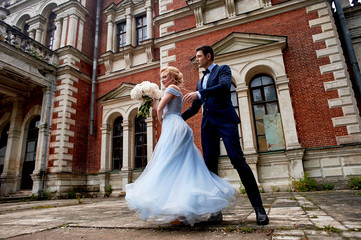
(190, 97)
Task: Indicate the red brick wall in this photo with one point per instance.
(177, 4)
(309, 99)
(183, 23)
(81, 128)
(89, 29)
(35, 98)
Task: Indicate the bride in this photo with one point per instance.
(176, 186)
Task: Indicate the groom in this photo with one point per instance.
(220, 120)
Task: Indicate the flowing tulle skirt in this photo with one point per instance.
(176, 182)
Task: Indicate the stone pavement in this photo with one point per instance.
(311, 215)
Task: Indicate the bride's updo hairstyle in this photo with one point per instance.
(178, 76)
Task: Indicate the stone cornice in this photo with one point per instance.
(73, 72)
(69, 50)
(171, 16)
(71, 8)
(36, 22)
(230, 22)
(127, 72)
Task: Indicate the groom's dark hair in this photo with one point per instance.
(206, 49)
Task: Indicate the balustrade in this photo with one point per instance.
(17, 39)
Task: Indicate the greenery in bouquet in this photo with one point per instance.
(145, 92)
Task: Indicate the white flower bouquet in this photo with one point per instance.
(146, 92)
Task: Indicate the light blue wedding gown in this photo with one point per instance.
(176, 182)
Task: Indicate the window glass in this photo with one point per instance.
(30, 154)
(121, 34)
(141, 29)
(50, 33)
(140, 142)
(117, 158)
(267, 120)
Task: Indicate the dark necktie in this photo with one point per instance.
(204, 74)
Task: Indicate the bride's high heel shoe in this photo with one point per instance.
(178, 222)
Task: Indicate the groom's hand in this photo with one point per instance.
(190, 97)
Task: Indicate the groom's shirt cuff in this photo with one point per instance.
(199, 95)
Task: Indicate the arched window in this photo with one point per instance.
(30, 154)
(117, 162)
(26, 29)
(267, 119)
(140, 143)
(50, 33)
(3, 143)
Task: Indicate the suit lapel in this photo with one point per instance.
(212, 75)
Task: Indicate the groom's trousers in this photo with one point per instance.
(211, 135)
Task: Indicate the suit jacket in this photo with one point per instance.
(215, 98)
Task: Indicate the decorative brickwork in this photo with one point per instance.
(345, 100)
(64, 123)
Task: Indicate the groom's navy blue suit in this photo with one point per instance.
(220, 120)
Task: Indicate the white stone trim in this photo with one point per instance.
(337, 66)
(118, 103)
(163, 5)
(63, 123)
(165, 58)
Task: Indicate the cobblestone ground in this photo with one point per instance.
(315, 215)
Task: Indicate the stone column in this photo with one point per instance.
(105, 148)
(127, 156)
(110, 35)
(64, 32)
(79, 44)
(150, 137)
(127, 143)
(286, 110)
(59, 26)
(128, 39)
(246, 119)
(32, 34)
(38, 35)
(73, 27)
(149, 22)
(10, 175)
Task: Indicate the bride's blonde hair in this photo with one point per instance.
(178, 76)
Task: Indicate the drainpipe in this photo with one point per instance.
(53, 79)
(349, 45)
(95, 59)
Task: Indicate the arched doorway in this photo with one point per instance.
(30, 154)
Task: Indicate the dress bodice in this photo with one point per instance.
(174, 106)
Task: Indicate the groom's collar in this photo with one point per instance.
(211, 67)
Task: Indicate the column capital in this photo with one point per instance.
(105, 128)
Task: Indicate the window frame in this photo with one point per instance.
(117, 148)
(143, 28)
(123, 33)
(50, 31)
(140, 162)
(263, 103)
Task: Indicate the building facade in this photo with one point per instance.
(67, 120)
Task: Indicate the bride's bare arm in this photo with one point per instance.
(163, 102)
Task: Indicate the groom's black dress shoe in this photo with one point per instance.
(261, 216)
